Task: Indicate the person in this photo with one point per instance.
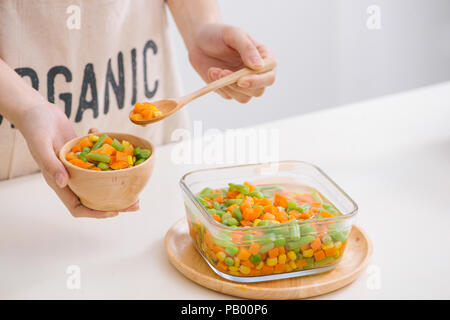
(67, 66)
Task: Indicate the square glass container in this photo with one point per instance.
(217, 242)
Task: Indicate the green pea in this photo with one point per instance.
(117, 145)
(231, 250)
(136, 151)
(280, 241)
(139, 161)
(237, 214)
(98, 157)
(266, 247)
(305, 207)
(229, 261)
(103, 166)
(292, 205)
(230, 222)
(255, 259)
(99, 142)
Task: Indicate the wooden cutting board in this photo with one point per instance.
(184, 256)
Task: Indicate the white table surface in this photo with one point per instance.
(391, 155)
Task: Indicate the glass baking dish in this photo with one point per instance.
(216, 241)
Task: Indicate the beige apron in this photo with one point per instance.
(94, 59)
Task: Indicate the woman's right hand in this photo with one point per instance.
(46, 129)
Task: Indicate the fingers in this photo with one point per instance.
(242, 43)
(257, 81)
(52, 168)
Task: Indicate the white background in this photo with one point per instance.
(327, 55)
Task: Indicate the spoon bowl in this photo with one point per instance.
(170, 106)
(167, 107)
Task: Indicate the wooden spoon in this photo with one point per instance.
(170, 106)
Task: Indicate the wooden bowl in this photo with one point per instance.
(109, 190)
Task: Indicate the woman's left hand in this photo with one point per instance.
(218, 50)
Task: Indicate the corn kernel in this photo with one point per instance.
(130, 159)
(221, 255)
(292, 264)
(271, 261)
(260, 265)
(291, 255)
(288, 268)
(255, 223)
(231, 268)
(327, 246)
(134, 159)
(125, 143)
(244, 269)
(308, 253)
(275, 222)
(157, 113)
(338, 245)
(237, 262)
(94, 138)
(282, 259)
(235, 273)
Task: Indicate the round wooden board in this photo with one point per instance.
(184, 256)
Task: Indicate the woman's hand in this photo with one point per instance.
(216, 50)
(46, 129)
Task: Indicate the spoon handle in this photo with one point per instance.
(269, 64)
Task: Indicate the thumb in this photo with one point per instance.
(243, 44)
(51, 166)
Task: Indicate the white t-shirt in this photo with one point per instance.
(94, 59)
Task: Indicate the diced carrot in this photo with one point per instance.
(263, 202)
(147, 114)
(232, 194)
(76, 148)
(281, 267)
(273, 252)
(95, 169)
(245, 223)
(316, 244)
(119, 165)
(121, 156)
(247, 263)
(85, 143)
(301, 263)
(326, 214)
(222, 266)
(268, 216)
(232, 207)
(216, 217)
(306, 197)
(316, 204)
(70, 156)
(331, 252)
(271, 209)
(139, 107)
(219, 199)
(108, 140)
(82, 164)
(137, 117)
(244, 254)
(282, 216)
(254, 248)
(255, 272)
(266, 270)
(106, 150)
(248, 184)
(319, 255)
(280, 200)
(281, 250)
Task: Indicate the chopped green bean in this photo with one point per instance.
(117, 145)
(98, 157)
(99, 142)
